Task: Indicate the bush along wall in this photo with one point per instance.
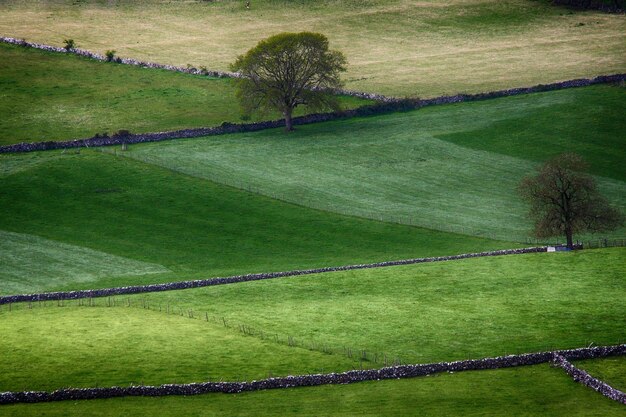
(584, 378)
(105, 292)
(119, 60)
(393, 372)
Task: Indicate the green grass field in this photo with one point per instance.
(437, 181)
(432, 312)
(420, 313)
(51, 96)
(610, 370)
(394, 47)
(452, 168)
(512, 392)
(123, 346)
(31, 262)
(192, 227)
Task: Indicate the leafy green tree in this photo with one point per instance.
(287, 70)
(564, 200)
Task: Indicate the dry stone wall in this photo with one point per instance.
(584, 378)
(119, 60)
(350, 377)
(611, 6)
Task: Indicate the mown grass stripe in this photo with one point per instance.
(29, 261)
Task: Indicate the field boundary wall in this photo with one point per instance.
(105, 292)
(349, 377)
(384, 105)
(584, 378)
(612, 6)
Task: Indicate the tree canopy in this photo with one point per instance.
(564, 200)
(287, 70)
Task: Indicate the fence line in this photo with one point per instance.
(171, 309)
(604, 243)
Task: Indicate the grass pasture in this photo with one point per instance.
(123, 346)
(192, 227)
(51, 96)
(431, 312)
(512, 392)
(30, 262)
(452, 168)
(394, 47)
(476, 307)
(437, 181)
(610, 370)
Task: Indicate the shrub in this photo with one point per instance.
(69, 44)
(121, 133)
(110, 55)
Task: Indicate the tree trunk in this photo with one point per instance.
(569, 237)
(288, 123)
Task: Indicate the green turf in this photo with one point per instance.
(54, 347)
(51, 96)
(192, 227)
(431, 312)
(609, 370)
(414, 167)
(588, 121)
(519, 392)
(30, 262)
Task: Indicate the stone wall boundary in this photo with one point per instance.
(584, 378)
(614, 6)
(180, 285)
(349, 377)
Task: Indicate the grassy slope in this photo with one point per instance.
(50, 96)
(510, 303)
(30, 262)
(528, 391)
(610, 370)
(414, 167)
(191, 226)
(588, 121)
(431, 312)
(397, 47)
(122, 346)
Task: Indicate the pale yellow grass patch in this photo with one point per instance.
(402, 48)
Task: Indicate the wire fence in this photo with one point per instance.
(604, 243)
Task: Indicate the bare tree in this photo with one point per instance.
(286, 70)
(564, 200)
